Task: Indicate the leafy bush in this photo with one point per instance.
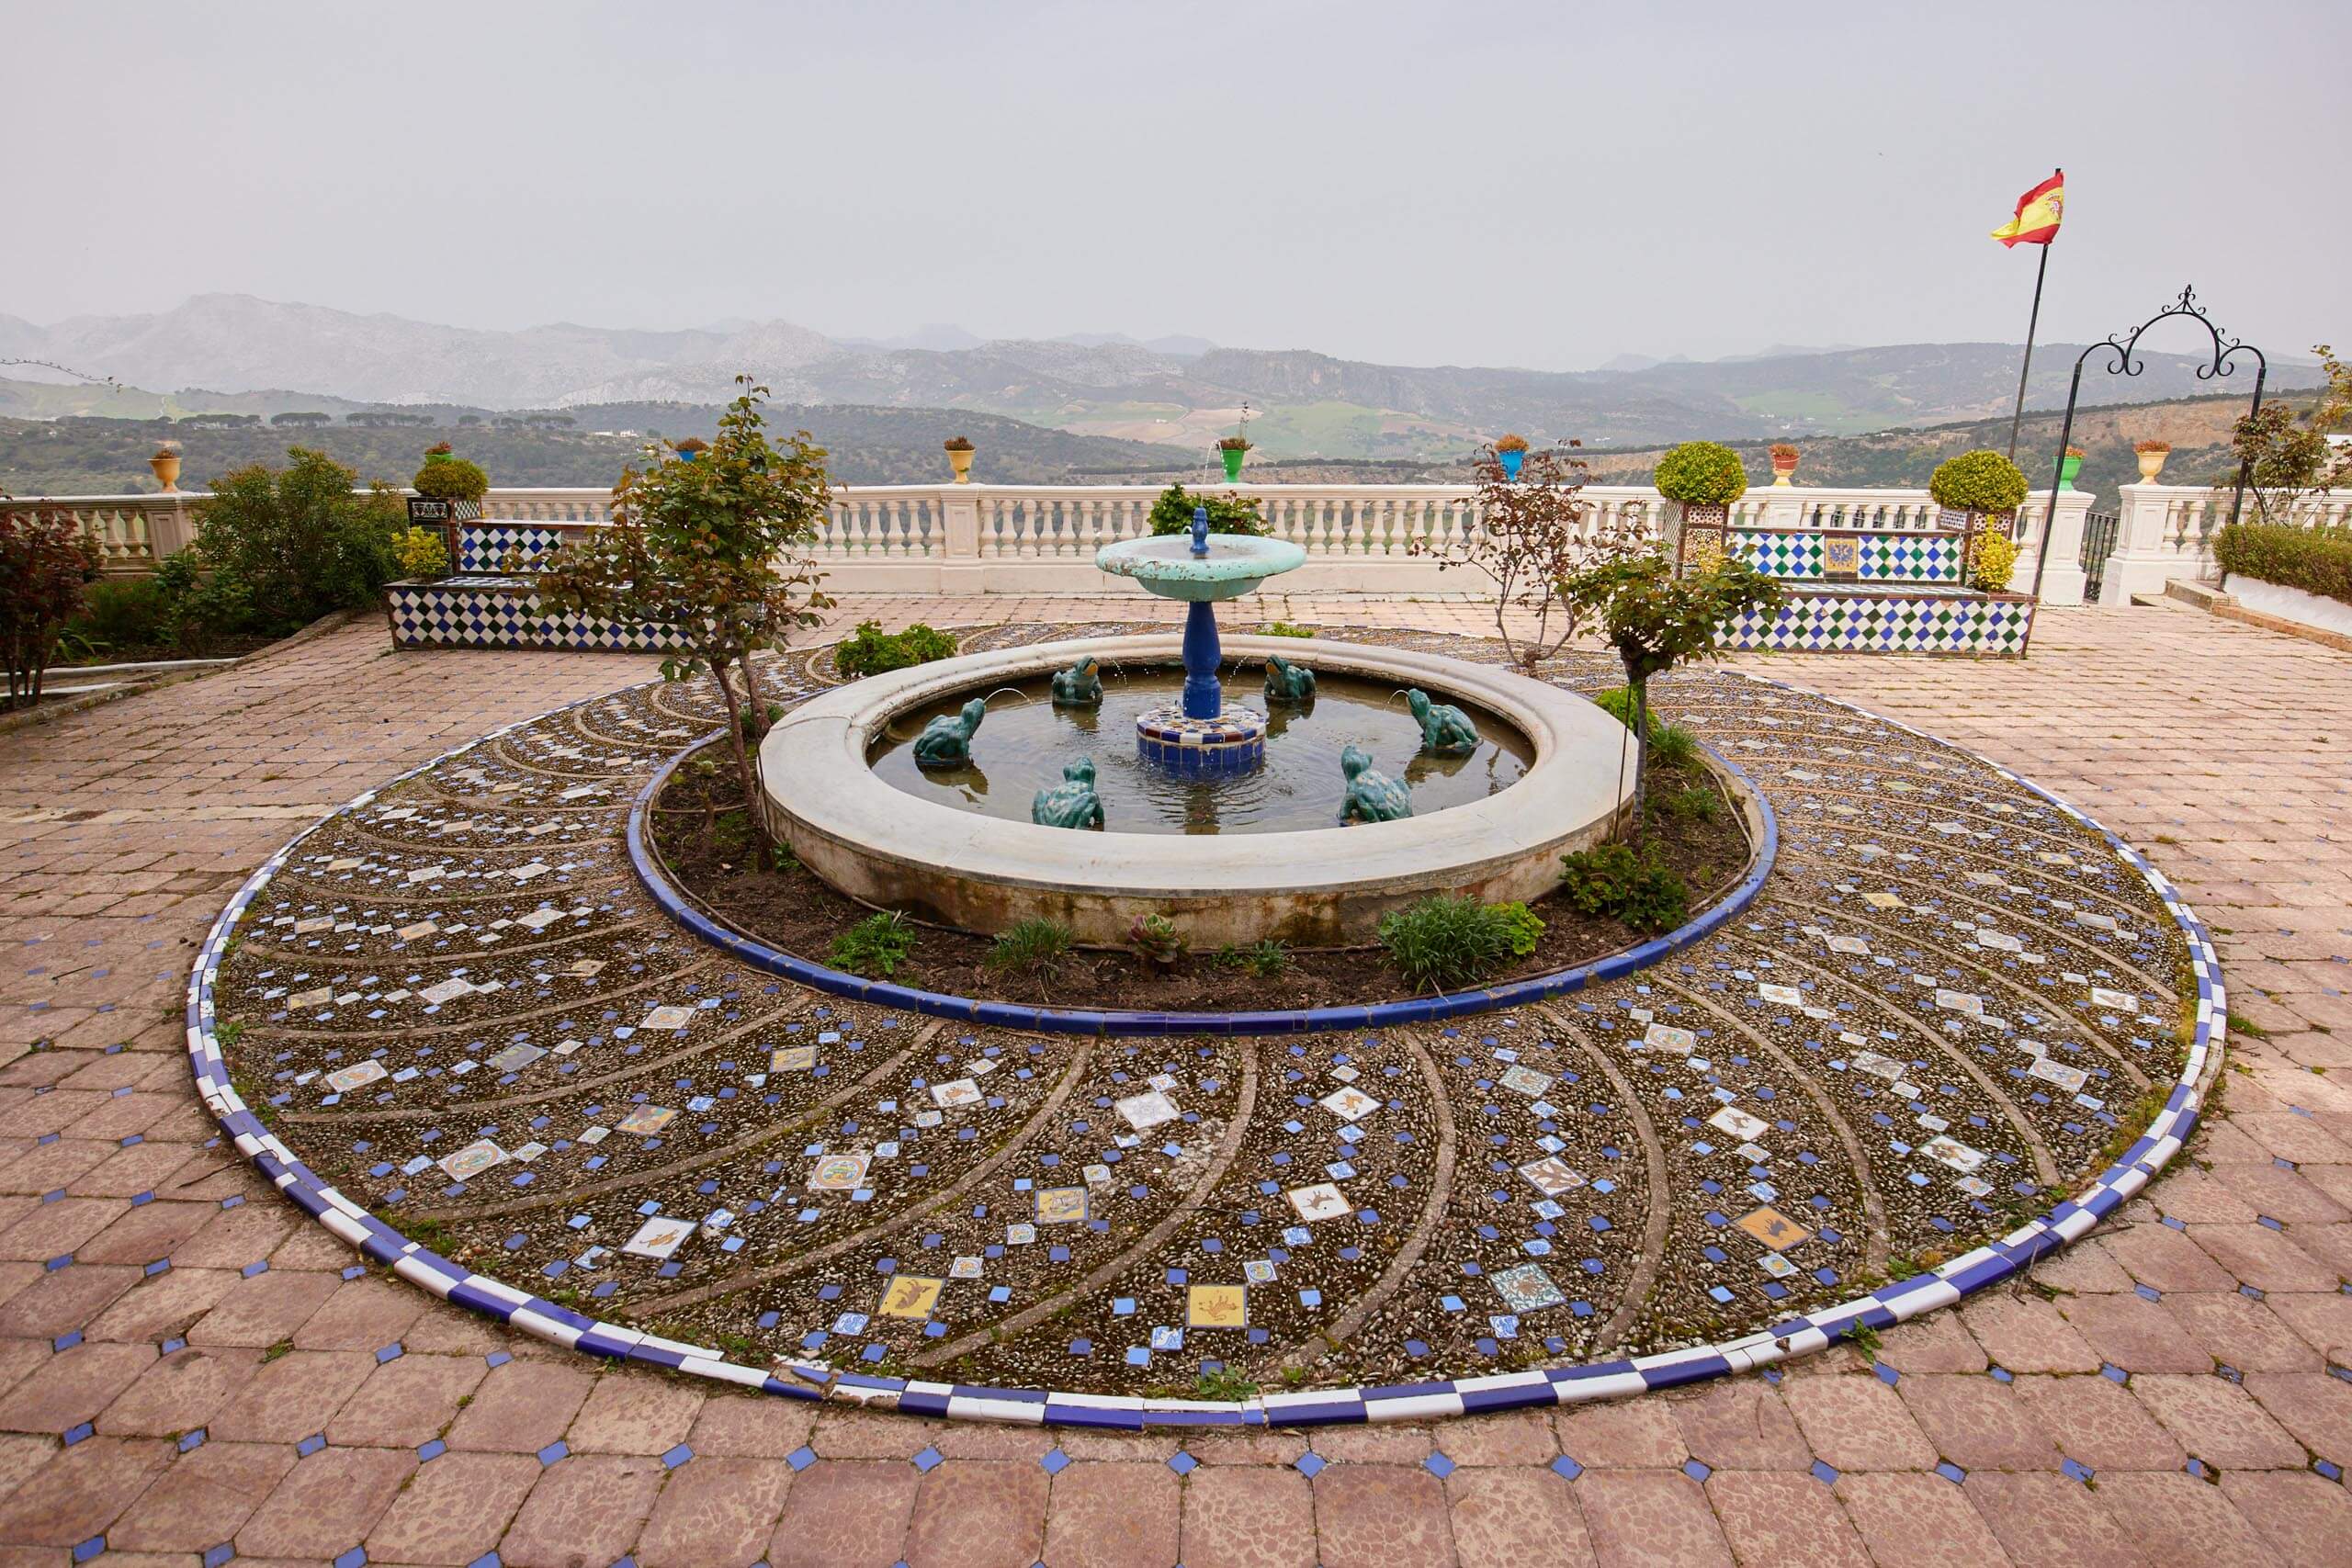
(1157, 941)
(1702, 473)
(1696, 802)
(297, 542)
(1981, 480)
(200, 607)
(1992, 562)
(2317, 560)
(1671, 746)
(871, 650)
(1029, 946)
(121, 617)
(1262, 959)
(451, 478)
(1284, 628)
(1523, 928)
(420, 552)
(1443, 943)
(1228, 513)
(1635, 887)
(875, 947)
(44, 564)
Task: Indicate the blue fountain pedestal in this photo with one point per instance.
(1201, 735)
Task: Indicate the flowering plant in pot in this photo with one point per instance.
(1232, 449)
(166, 463)
(2068, 467)
(1510, 451)
(1979, 484)
(693, 447)
(959, 457)
(1784, 463)
(2152, 454)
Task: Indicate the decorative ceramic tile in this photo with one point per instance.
(911, 1295)
(1061, 1205)
(646, 1121)
(659, 1238)
(1323, 1200)
(343, 1080)
(1525, 1080)
(955, 1093)
(1349, 1103)
(1772, 1228)
(839, 1173)
(1550, 1177)
(1739, 1124)
(1216, 1306)
(1526, 1288)
(792, 1058)
(473, 1160)
(1144, 1111)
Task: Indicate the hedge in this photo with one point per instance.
(2317, 560)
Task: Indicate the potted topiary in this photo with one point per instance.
(1510, 451)
(2152, 456)
(1703, 478)
(451, 487)
(959, 457)
(1976, 486)
(166, 463)
(1784, 464)
(1232, 449)
(2068, 467)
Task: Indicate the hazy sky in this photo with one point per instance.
(1539, 184)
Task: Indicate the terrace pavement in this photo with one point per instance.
(211, 1373)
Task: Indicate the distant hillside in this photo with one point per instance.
(865, 445)
(1178, 392)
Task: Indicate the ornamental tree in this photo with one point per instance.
(1700, 473)
(44, 563)
(1531, 536)
(1656, 620)
(2286, 458)
(714, 545)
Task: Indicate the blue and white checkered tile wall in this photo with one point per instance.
(484, 546)
(1886, 623)
(426, 615)
(1889, 558)
(1947, 1282)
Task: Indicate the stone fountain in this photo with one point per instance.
(1203, 734)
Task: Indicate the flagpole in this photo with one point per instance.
(2033, 321)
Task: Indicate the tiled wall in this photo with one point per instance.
(454, 614)
(1888, 622)
(1880, 558)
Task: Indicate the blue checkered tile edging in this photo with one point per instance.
(1882, 1308)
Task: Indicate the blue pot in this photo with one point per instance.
(1510, 462)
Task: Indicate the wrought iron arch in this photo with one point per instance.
(2123, 360)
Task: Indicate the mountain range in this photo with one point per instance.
(1177, 391)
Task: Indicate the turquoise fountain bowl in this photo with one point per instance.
(1164, 564)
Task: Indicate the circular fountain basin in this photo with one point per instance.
(1309, 886)
(1164, 564)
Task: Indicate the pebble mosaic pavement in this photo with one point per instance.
(158, 1400)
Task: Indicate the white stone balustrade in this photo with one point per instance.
(981, 538)
(2165, 532)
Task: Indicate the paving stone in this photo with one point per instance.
(1939, 1342)
(1977, 1424)
(2315, 1407)
(587, 1509)
(846, 1513)
(1859, 1423)
(1617, 1434)
(73, 1386)
(293, 1396)
(406, 1401)
(2138, 1335)
(522, 1408)
(456, 1510)
(635, 1413)
(1517, 1437)
(1114, 1514)
(1908, 1519)
(1737, 1424)
(2243, 1333)
(2174, 1518)
(366, 1314)
(2307, 1520)
(265, 1310)
(60, 1302)
(977, 1514)
(81, 1491)
(2049, 1519)
(2025, 1335)
(204, 1498)
(715, 1510)
(1636, 1517)
(164, 1305)
(2097, 1423)
(2256, 1255)
(1784, 1519)
(1372, 1515)
(180, 1392)
(750, 1426)
(1517, 1518)
(326, 1504)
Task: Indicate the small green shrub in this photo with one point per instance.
(1694, 802)
(1671, 746)
(1614, 880)
(1264, 960)
(1702, 473)
(1284, 628)
(200, 607)
(1229, 1384)
(2317, 560)
(875, 947)
(1443, 943)
(1981, 480)
(123, 615)
(1029, 946)
(451, 478)
(1228, 513)
(871, 650)
(1157, 941)
(420, 552)
(754, 731)
(1521, 926)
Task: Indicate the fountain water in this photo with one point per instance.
(1203, 734)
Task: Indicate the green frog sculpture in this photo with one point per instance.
(1077, 686)
(1071, 803)
(1446, 731)
(1288, 682)
(1373, 795)
(947, 742)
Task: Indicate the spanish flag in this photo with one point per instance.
(2038, 213)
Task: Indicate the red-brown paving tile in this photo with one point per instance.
(2097, 1423)
(73, 1386)
(715, 1510)
(2173, 1516)
(520, 1407)
(750, 1426)
(846, 1513)
(203, 1499)
(2026, 1333)
(179, 1393)
(1517, 1437)
(1978, 1424)
(1524, 1518)
(1856, 1422)
(2050, 1519)
(81, 1491)
(1784, 1519)
(973, 1513)
(1249, 1517)
(2315, 1406)
(1639, 1518)
(326, 1504)
(582, 1510)
(1367, 1515)
(455, 1510)
(1739, 1424)
(635, 1413)
(293, 1396)
(1114, 1514)
(1912, 1520)
(1620, 1434)
(406, 1401)
(2306, 1519)
(2218, 1421)
(2137, 1334)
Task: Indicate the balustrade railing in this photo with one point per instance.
(2163, 532)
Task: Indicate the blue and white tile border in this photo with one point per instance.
(1946, 1284)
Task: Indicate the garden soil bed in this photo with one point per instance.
(704, 838)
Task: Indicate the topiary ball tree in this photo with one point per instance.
(1981, 480)
(451, 478)
(1702, 473)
